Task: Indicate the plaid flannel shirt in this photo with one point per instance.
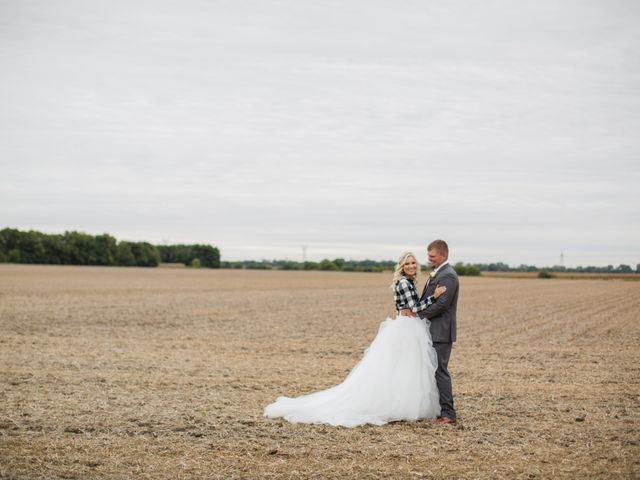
(406, 296)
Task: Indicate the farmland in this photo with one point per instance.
(110, 372)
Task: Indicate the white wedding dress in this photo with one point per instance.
(394, 380)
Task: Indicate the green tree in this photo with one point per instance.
(8, 240)
(124, 255)
(106, 249)
(56, 249)
(327, 264)
(145, 254)
(209, 256)
(31, 247)
(81, 248)
(466, 270)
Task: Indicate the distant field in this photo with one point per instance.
(163, 373)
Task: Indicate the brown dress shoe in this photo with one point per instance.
(445, 421)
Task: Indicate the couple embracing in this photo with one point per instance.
(403, 375)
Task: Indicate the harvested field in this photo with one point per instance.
(163, 373)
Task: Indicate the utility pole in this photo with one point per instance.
(304, 253)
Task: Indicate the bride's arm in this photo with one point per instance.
(419, 306)
(406, 294)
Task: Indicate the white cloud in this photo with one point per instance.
(359, 129)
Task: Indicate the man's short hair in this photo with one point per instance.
(439, 246)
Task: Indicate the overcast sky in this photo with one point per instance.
(358, 128)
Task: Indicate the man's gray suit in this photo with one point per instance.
(442, 315)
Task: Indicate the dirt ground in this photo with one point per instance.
(164, 373)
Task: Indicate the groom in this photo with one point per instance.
(442, 315)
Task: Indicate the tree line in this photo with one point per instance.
(336, 265)
(503, 267)
(77, 248)
(461, 268)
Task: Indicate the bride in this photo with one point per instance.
(394, 380)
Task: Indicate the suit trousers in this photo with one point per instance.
(443, 379)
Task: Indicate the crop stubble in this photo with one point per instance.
(163, 373)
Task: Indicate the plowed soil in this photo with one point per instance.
(164, 373)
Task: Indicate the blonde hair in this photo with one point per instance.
(399, 271)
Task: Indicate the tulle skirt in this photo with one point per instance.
(394, 380)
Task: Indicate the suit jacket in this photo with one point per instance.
(442, 313)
